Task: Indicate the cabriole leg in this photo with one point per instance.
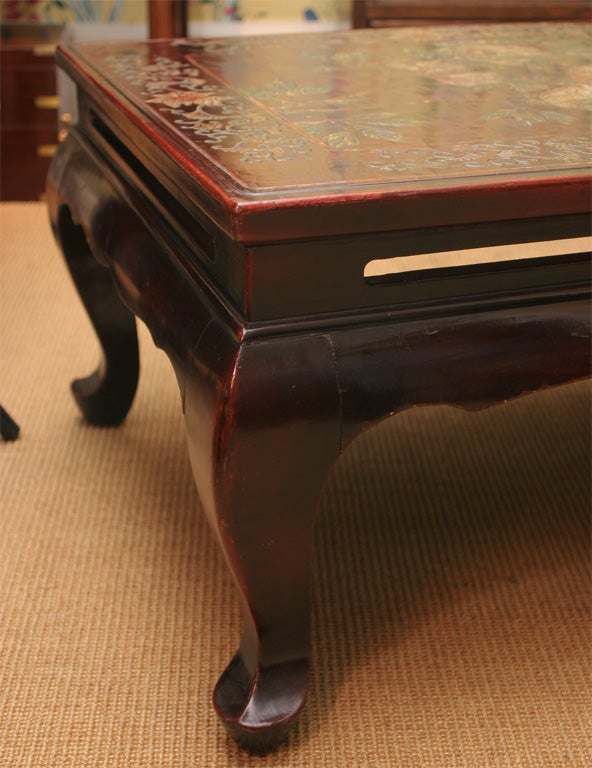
(276, 436)
(105, 396)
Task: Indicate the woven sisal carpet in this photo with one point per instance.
(452, 595)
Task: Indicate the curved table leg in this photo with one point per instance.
(276, 434)
(105, 396)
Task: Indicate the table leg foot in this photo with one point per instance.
(105, 396)
(260, 707)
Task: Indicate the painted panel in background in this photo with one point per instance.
(134, 11)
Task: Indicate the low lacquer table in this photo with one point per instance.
(322, 230)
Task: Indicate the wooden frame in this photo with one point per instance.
(385, 13)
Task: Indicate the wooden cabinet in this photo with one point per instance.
(29, 108)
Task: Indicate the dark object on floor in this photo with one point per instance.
(9, 429)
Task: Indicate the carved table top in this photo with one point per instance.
(358, 114)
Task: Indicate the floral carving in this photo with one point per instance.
(217, 116)
(500, 155)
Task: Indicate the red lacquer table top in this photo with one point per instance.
(265, 121)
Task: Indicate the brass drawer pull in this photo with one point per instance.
(44, 49)
(46, 150)
(47, 102)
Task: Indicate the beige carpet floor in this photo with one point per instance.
(452, 592)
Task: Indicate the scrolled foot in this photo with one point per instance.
(104, 399)
(259, 709)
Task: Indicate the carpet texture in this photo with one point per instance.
(451, 624)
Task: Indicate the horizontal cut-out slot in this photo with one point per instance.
(495, 255)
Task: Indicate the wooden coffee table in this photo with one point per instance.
(322, 231)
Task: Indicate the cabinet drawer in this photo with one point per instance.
(27, 54)
(25, 155)
(28, 97)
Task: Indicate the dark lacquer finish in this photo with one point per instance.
(106, 395)
(301, 239)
